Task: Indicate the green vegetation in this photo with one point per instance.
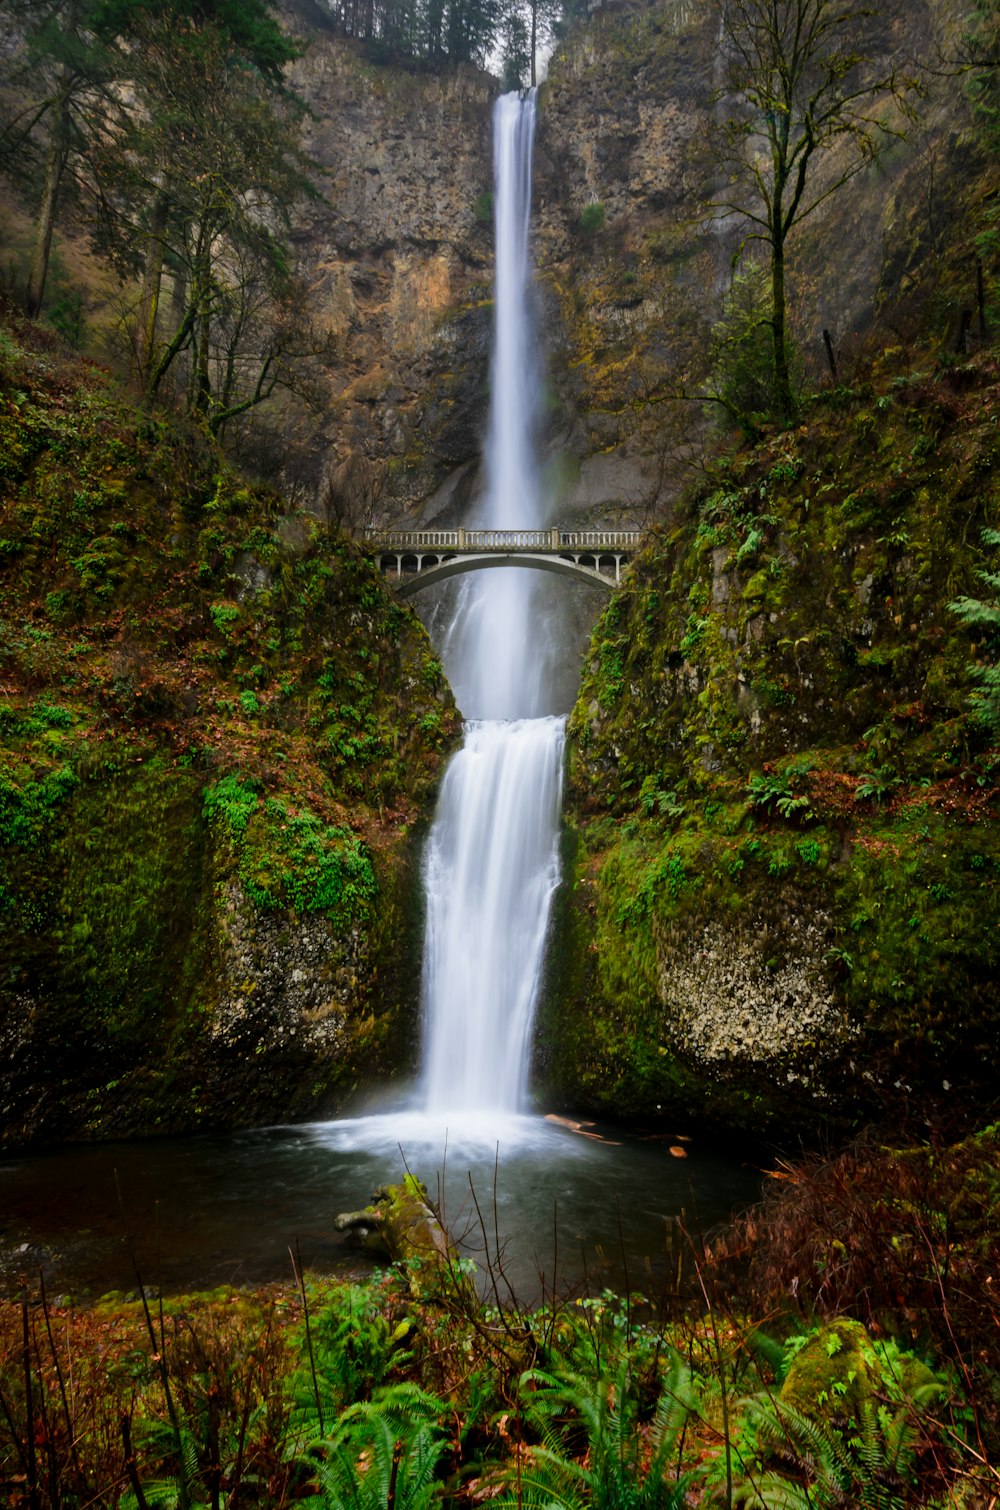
(203, 784)
(983, 617)
(874, 1388)
(592, 218)
(797, 801)
(173, 119)
(291, 859)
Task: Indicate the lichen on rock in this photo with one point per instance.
(726, 998)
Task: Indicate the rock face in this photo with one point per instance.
(632, 259)
(783, 896)
(220, 735)
(397, 252)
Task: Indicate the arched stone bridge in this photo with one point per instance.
(417, 558)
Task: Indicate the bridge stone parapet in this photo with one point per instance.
(416, 558)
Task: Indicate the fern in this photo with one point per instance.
(873, 1469)
(593, 1452)
(778, 787)
(170, 1490)
(353, 1348)
(383, 1454)
(876, 784)
(983, 616)
(770, 1352)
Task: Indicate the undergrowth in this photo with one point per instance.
(853, 1361)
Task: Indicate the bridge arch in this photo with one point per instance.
(454, 566)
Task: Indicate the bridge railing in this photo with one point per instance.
(553, 539)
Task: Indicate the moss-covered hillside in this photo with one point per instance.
(217, 733)
(784, 896)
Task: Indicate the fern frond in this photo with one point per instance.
(397, 1438)
(805, 1444)
(592, 1450)
(769, 1351)
(770, 1492)
(975, 611)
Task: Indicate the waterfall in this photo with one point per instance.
(492, 861)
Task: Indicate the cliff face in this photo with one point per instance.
(783, 894)
(632, 260)
(218, 735)
(397, 252)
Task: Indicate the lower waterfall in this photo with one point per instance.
(491, 869)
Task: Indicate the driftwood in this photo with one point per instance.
(400, 1225)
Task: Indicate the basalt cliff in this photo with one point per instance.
(221, 735)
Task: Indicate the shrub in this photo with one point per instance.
(592, 218)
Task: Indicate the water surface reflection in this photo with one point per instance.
(224, 1209)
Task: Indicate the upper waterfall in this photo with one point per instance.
(495, 663)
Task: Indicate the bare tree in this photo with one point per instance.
(802, 77)
(352, 493)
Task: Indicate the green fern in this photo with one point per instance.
(779, 788)
(171, 1449)
(593, 1452)
(983, 616)
(383, 1454)
(353, 1348)
(769, 1352)
(875, 784)
(801, 1462)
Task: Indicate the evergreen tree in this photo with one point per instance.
(197, 182)
(60, 75)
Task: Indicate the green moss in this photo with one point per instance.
(792, 665)
(199, 685)
(292, 859)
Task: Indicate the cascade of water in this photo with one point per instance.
(492, 862)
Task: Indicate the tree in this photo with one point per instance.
(195, 183)
(979, 56)
(800, 80)
(524, 27)
(62, 73)
(740, 351)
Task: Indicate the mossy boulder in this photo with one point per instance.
(841, 1371)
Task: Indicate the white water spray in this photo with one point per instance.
(492, 864)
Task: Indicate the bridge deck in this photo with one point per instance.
(604, 542)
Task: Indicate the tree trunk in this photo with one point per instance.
(55, 163)
(144, 345)
(200, 389)
(783, 402)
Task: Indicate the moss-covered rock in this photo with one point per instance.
(787, 859)
(218, 737)
(840, 1371)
